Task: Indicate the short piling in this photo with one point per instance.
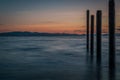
(92, 36)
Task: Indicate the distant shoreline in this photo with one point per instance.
(35, 34)
(27, 34)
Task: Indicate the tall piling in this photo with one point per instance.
(111, 40)
(87, 24)
(98, 35)
(92, 36)
(111, 34)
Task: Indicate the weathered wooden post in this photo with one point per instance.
(111, 33)
(98, 35)
(98, 43)
(92, 36)
(88, 14)
(111, 40)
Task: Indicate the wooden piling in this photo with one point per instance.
(92, 36)
(98, 35)
(111, 34)
(112, 68)
(88, 14)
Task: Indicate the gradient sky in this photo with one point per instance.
(54, 16)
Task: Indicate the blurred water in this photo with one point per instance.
(53, 58)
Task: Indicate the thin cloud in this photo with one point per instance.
(78, 31)
(1, 24)
(48, 22)
(118, 29)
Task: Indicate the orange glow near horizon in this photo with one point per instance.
(49, 28)
(71, 28)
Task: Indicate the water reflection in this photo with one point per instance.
(99, 70)
(112, 73)
(94, 70)
(90, 69)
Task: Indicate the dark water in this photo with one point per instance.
(53, 58)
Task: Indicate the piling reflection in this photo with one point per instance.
(94, 70)
(112, 73)
(90, 70)
(98, 70)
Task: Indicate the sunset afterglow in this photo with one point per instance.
(50, 16)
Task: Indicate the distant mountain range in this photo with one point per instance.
(18, 33)
(35, 34)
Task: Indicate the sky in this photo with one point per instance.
(52, 16)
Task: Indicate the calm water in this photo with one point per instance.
(52, 58)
